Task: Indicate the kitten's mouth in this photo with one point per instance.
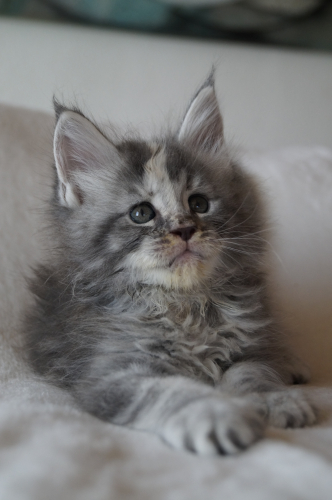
(187, 256)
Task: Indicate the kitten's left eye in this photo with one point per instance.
(142, 213)
(198, 203)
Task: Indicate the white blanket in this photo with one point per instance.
(50, 449)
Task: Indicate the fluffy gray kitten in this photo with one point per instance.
(153, 310)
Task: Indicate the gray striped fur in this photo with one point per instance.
(185, 347)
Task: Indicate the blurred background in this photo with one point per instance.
(301, 23)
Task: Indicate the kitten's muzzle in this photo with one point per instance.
(185, 233)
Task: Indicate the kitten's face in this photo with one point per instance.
(164, 212)
(170, 212)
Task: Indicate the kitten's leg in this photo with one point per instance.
(186, 414)
(287, 406)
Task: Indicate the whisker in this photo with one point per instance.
(239, 208)
(244, 221)
(238, 250)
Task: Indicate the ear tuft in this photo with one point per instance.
(209, 82)
(58, 108)
(202, 126)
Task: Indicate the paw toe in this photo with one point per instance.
(290, 409)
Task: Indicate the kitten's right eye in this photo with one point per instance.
(142, 213)
(198, 203)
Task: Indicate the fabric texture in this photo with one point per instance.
(51, 449)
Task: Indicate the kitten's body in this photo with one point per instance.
(161, 324)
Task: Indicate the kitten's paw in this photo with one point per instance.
(212, 426)
(290, 408)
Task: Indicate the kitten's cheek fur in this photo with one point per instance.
(212, 426)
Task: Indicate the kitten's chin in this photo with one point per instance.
(186, 272)
(187, 258)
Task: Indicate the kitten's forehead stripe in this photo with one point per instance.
(175, 161)
(137, 154)
(159, 184)
(181, 166)
(156, 163)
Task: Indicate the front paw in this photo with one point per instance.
(213, 425)
(290, 408)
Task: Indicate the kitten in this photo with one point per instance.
(152, 310)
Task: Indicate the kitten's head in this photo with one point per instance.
(174, 212)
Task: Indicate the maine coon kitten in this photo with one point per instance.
(152, 310)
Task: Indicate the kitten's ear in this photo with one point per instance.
(79, 149)
(202, 127)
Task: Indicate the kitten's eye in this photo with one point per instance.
(142, 213)
(198, 203)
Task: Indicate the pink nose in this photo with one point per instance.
(185, 233)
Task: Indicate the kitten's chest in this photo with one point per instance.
(198, 345)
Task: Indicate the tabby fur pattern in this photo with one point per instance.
(163, 325)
